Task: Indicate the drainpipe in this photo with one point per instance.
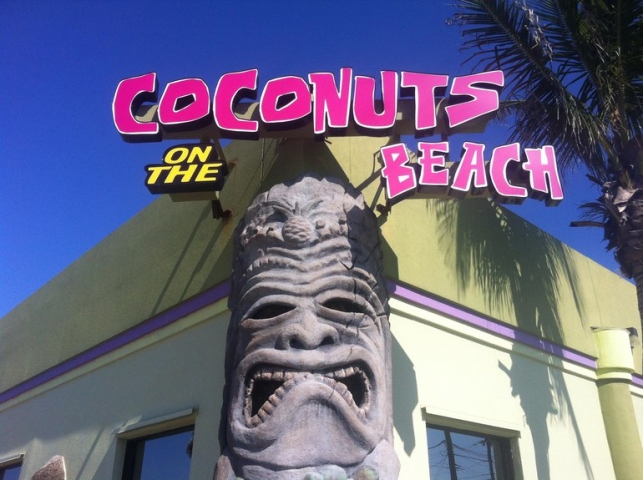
(614, 370)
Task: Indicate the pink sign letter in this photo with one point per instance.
(229, 87)
(291, 90)
(498, 170)
(483, 88)
(364, 109)
(543, 171)
(331, 103)
(184, 101)
(471, 167)
(425, 86)
(130, 94)
(400, 178)
(428, 161)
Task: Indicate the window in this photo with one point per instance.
(10, 473)
(461, 455)
(10, 467)
(160, 456)
(158, 448)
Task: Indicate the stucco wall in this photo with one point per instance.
(457, 376)
(637, 399)
(177, 368)
(469, 252)
(444, 371)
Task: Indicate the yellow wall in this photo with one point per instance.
(637, 399)
(443, 371)
(452, 374)
(177, 368)
(469, 252)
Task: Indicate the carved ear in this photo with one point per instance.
(54, 469)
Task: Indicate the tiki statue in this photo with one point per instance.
(308, 365)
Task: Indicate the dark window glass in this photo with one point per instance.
(461, 455)
(164, 456)
(10, 473)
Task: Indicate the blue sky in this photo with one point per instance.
(69, 179)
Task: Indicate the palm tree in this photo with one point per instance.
(574, 73)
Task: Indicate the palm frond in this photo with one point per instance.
(574, 73)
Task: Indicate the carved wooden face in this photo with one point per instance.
(310, 376)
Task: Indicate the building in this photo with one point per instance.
(509, 348)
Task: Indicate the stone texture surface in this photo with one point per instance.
(54, 469)
(308, 369)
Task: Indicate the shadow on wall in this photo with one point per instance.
(404, 381)
(203, 217)
(522, 269)
(405, 375)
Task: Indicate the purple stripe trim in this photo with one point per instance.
(500, 329)
(222, 290)
(637, 380)
(153, 324)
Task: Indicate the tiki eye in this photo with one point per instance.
(271, 310)
(344, 305)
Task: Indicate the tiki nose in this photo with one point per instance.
(307, 333)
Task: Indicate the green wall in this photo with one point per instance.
(470, 252)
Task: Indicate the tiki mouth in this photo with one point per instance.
(267, 386)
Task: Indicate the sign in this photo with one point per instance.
(333, 106)
(286, 101)
(187, 169)
(510, 175)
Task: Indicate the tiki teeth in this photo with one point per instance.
(280, 392)
(289, 378)
(341, 388)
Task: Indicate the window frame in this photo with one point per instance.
(11, 462)
(508, 438)
(132, 435)
(132, 462)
